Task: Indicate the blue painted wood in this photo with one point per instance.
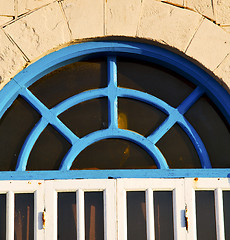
(197, 142)
(29, 143)
(112, 93)
(156, 135)
(7, 95)
(151, 53)
(82, 143)
(28, 76)
(114, 174)
(79, 98)
(147, 98)
(48, 115)
(190, 100)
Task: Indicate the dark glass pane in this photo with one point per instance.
(24, 216)
(178, 149)
(48, 151)
(226, 199)
(15, 126)
(86, 117)
(163, 215)
(67, 219)
(94, 216)
(214, 132)
(113, 154)
(2, 216)
(138, 116)
(70, 80)
(136, 216)
(205, 215)
(153, 79)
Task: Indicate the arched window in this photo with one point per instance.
(114, 105)
(101, 110)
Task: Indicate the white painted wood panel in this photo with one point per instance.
(149, 186)
(13, 187)
(201, 184)
(115, 204)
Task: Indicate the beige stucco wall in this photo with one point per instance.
(198, 29)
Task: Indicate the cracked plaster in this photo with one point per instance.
(210, 45)
(162, 21)
(11, 59)
(44, 29)
(122, 17)
(168, 24)
(82, 23)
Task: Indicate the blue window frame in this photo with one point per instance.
(205, 85)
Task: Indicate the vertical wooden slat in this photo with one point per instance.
(191, 209)
(179, 211)
(50, 209)
(37, 220)
(10, 216)
(110, 212)
(80, 215)
(219, 214)
(121, 210)
(150, 214)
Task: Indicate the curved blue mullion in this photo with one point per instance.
(162, 129)
(113, 133)
(152, 53)
(48, 115)
(35, 103)
(64, 130)
(175, 115)
(29, 143)
(78, 98)
(197, 142)
(190, 100)
(112, 92)
(147, 98)
(7, 96)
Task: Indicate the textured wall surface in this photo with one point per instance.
(30, 29)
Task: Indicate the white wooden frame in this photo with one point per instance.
(150, 185)
(12, 187)
(215, 184)
(81, 186)
(115, 206)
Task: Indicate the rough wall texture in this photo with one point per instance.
(29, 29)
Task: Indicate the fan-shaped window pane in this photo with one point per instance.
(15, 125)
(138, 116)
(129, 96)
(178, 149)
(153, 79)
(70, 80)
(48, 151)
(113, 154)
(86, 117)
(213, 130)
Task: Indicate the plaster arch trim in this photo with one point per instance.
(61, 23)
